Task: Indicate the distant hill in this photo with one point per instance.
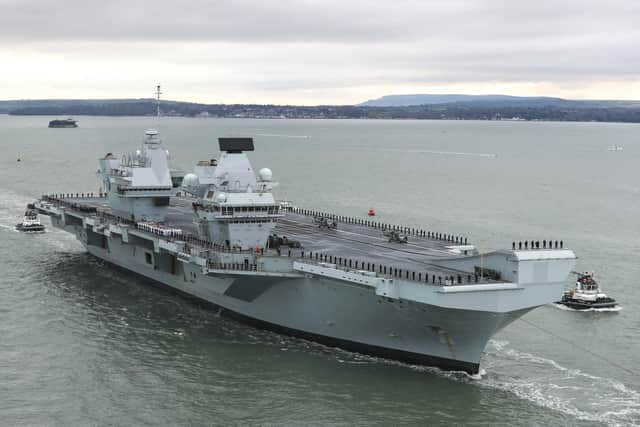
(496, 101)
(429, 99)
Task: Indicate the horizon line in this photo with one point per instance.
(319, 105)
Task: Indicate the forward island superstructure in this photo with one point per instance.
(341, 281)
(138, 186)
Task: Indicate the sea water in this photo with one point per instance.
(84, 344)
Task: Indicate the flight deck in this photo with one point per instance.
(354, 243)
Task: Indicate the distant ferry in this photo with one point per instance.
(66, 123)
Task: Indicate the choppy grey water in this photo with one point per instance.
(84, 344)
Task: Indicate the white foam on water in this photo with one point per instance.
(599, 310)
(8, 227)
(345, 356)
(477, 377)
(571, 391)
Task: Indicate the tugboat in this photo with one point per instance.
(586, 295)
(30, 223)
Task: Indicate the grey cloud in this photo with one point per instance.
(309, 20)
(296, 45)
(275, 67)
(195, 20)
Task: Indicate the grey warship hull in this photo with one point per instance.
(378, 328)
(394, 305)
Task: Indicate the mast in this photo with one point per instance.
(158, 93)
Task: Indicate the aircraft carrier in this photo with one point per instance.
(414, 295)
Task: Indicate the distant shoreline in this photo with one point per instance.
(510, 110)
(48, 116)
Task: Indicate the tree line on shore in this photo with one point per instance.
(450, 111)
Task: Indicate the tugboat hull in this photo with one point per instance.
(30, 228)
(586, 305)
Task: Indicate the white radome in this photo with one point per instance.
(265, 174)
(190, 180)
(221, 198)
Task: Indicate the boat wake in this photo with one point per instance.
(546, 383)
(549, 384)
(7, 227)
(444, 153)
(276, 135)
(602, 310)
(11, 212)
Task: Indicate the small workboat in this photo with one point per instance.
(371, 212)
(30, 223)
(586, 295)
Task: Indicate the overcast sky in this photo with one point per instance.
(318, 52)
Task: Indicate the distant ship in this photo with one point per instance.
(65, 123)
(616, 147)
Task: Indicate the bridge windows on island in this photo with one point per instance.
(230, 210)
(233, 210)
(249, 221)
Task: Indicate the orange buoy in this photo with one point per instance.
(371, 212)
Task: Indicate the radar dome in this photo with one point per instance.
(265, 174)
(221, 198)
(190, 180)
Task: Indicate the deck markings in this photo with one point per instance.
(395, 256)
(376, 238)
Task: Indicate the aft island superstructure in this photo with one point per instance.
(423, 297)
